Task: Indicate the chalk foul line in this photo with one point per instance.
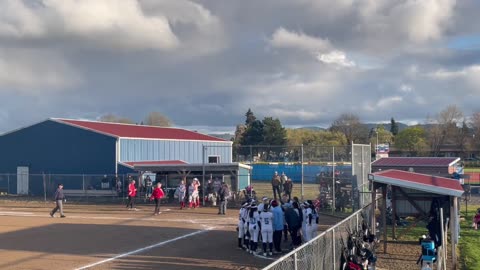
(159, 244)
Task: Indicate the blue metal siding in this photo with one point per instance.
(189, 151)
(56, 148)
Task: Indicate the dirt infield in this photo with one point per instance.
(110, 237)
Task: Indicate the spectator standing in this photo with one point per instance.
(294, 218)
(157, 195)
(476, 219)
(118, 186)
(148, 186)
(217, 185)
(276, 186)
(196, 199)
(283, 179)
(105, 182)
(132, 193)
(278, 225)
(224, 195)
(59, 198)
(288, 187)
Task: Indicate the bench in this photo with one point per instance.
(89, 193)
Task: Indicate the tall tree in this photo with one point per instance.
(115, 119)
(253, 135)
(393, 127)
(475, 126)
(443, 128)
(273, 132)
(412, 139)
(250, 117)
(349, 124)
(157, 119)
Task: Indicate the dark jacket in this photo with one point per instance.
(287, 186)
(223, 194)
(59, 194)
(293, 219)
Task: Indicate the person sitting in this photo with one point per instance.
(476, 219)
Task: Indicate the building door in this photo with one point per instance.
(22, 180)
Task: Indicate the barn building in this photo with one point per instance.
(65, 146)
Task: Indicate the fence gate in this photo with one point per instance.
(22, 180)
(361, 167)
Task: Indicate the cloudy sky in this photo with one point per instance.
(204, 63)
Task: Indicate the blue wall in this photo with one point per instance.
(188, 151)
(56, 148)
(264, 172)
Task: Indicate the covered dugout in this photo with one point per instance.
(414, 193)
(236, 175)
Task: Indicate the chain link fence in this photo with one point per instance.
(324, 251)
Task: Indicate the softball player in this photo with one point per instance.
(191, 195)
(180, 194)
(253, 228)
(241, 225)
(304, 208)
(266, 221)
(196, 199)
(311, 222)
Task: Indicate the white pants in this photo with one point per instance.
(245, 228)
(267, 235)
(193, 197)
(311, 231)
(253, 233)
(241, 229)
(304, 231)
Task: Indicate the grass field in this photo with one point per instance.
(473, 170)
(310, 191)
(469, 242)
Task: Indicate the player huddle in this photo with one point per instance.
(266, 221)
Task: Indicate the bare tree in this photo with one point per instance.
(115, 119)
(157, 119)
(349, 124)
(444, 128)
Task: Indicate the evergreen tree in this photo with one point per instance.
(393, 127)
(250, 117)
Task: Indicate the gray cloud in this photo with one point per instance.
(204, 63)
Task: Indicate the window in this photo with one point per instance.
(213, 159)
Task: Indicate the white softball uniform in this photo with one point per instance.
(311, 228)
(266, 219)
(241, 226)
(253, 226)
(304, 224)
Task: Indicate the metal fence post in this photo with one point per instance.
(333, 247)
(302, 169)
(333, 180)
(295, 259)
(203, 173)
(44, 187)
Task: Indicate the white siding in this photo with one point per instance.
(188, 151)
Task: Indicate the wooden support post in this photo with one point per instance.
(454, 229)
(394, 214)
(384, 217)
(374, 206)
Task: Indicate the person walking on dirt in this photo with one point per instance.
(287, 188)
(157, 195)
(59, 198)
(224, 195)
(276, 186)
(283, 179)
(132, 193)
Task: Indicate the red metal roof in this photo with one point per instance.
(140, 131)
(415, 161)
(428, 183)
(156, 162)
